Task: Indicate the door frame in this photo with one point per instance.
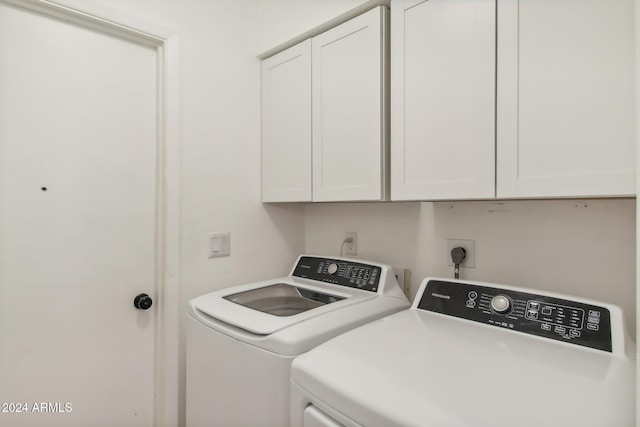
(167, 270)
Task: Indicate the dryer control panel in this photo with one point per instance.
(339, 272)
(558, 319)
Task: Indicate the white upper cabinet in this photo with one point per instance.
(349, 110)
(286, 125)
(565, 100)
(443, 99)
(549, 113)
(324, 115)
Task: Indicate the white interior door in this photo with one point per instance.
(78, 188)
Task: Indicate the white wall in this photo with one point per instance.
(577, 247)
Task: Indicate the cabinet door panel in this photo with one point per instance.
(442, 99)
(348, 110)
(566, 93)
(286, 125)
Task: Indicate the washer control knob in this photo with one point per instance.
(501, 304)
(332, 268)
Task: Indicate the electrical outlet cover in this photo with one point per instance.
(469, 246)
(351, 248)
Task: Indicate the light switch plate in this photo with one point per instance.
(219, 244)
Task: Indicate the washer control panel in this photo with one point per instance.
(339, 272)
(544, 316)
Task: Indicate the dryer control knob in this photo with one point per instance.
(501, 304)
(332, 268)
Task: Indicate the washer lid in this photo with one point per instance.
(266, 307)
(418, 368)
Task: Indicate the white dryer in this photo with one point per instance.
(241, 340)
(473, 354)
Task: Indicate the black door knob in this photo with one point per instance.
(142, 302)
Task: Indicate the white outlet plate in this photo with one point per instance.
(351, 248)
(469, 246)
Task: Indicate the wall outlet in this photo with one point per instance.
(403, 276)
(351, 248)
(469, 246)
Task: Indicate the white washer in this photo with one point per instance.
(473, 354)
(241, 340)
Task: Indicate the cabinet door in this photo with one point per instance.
(442, 99)
(565, 98)
(286, 125)
(348, 110)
